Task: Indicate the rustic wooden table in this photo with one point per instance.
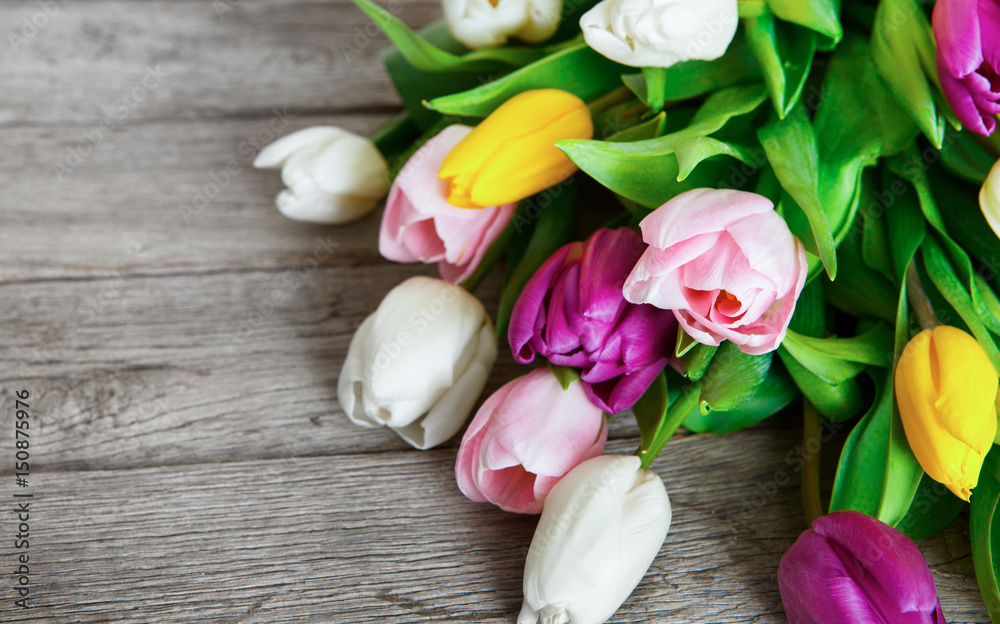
(181, 341)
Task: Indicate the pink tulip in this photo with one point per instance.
(524, 438)
(968, 60)
(419, 225)
(727, 265)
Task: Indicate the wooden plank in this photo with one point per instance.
(88, 61)
(159, 198)
(387, 537)
(142, 371)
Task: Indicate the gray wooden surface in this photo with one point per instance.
(189, 460)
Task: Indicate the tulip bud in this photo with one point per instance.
(989, 198)
(419, 225)
(850, 567)
(512, 154)
(967, 62)
(946, 389)
(524, 438)
(418, 363)
(332, 175)
(602, 526)
(660, 33)
(488, 23)
(727, 265)
(573, 312)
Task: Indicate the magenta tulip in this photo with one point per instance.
(525, 438)
(573, 313)
(850, 567)
(968, 59)
(727, 265)
(419, 225)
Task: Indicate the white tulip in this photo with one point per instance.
(989, 198)
(488, 23)
(601, 528)
(660, 33)
(332, 175)
(418, 363)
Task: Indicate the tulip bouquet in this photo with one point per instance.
(801, 205)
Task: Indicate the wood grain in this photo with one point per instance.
(387, 537)
(189, 458)
(88, 61)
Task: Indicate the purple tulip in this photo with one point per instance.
(850, 567)
(968, 59)
(573, 313)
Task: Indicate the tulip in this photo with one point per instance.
(512, 154)
(989, 198)
(660, 33)
(968, 59)
(488, 23)
(602, 526)
(418, 363)
(524, 438)
(727, 265)
(572, 312)
(946, 389)
(852, 568)
(419, 225)
(332, 175)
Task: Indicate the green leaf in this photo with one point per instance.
(785, 53)
(552, 212)
(395, 135)
(790, 145)
(651, 128)
(415, 86)
(661, 429)
(859, 290)
(732, 378)
(646, 171)
(773, 395)
(819, 15)
(876, 475)
(906, 225)
(837, 402)
(427, 57)
(650, 410)
(903, 51)
(835, 360)
(809, 318)
(940, 270)
(577, 69)
(656, 86)
(964, 156)
(694, 152)
(697, 360)
(848, 138)
(934, 507)
(565, 375)
(984, 528)
(693, 78)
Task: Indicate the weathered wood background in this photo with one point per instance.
(189, 460)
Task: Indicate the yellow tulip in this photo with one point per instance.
(512, 154)
(946, 388)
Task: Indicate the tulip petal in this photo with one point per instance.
(960, 98)
(351, 165)
(528, 313)
(608, 259)
(698, 212)
(448, 414)
(656, 278)
(468, 453)
(273, 156)
(959, 41)
(989, 24)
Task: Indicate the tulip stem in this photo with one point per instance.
(611, 98)
(810, 471)
(917, 297)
